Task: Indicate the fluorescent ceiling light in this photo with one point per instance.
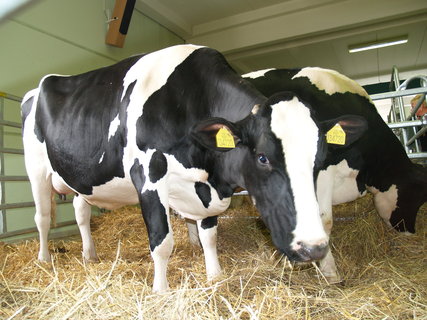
(377, 44)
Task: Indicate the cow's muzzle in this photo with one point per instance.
(308, 253)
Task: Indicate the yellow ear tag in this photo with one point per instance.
(224, 139)
(336, 135)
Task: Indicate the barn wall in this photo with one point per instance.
(62, 37)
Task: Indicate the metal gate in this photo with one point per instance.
(402, 120)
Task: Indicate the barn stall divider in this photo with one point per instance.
(12, 228)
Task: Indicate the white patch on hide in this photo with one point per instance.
(345, 185)
(385, 202)
(102, 158)
(182, 194)
(255, 109)
(331, 81)
(150, 73)
(114, 125)
(292, 124)
(257, 74)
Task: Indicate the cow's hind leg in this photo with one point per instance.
(208, 235)
(41, 187)
(193, 233)
(83, 211)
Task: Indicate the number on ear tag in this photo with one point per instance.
(224, 139)
(336, 135)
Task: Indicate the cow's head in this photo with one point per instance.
(279, 150)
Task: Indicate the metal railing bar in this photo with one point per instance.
(405, 124)
(10, 124)
(417, 135)
(10, 96)
(28, 204)
(417, 155)
(395, 94)
(14, 178)
(11, 151)
(34, 229)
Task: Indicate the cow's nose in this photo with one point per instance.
(312, 252)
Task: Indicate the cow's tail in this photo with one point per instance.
(53, 210)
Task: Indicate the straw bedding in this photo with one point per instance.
(385, 273)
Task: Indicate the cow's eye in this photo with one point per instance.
(263, 159)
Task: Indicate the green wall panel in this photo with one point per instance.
(58, 37)
(17, 191)
(14, 165)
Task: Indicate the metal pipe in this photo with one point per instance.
(394, 94)
(421, 132)
(10, 96)
(11, 151)
(405, 124)
(417, 155)
(407, 81)
(14, 178)
(34, 229)
(28, 204)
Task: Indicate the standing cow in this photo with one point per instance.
(177, 128)
(376, 162)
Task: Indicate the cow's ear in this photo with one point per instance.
(216, 134)
(344, 130)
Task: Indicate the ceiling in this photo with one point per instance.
(259, 34)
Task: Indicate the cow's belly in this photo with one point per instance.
(114, 194)
(345, 185)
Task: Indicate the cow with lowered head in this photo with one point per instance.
(376, 162)
(176, 128)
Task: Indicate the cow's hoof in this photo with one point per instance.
(214, 277)
(159, 289)
(333, 278)
(44, 258)
(91, 259)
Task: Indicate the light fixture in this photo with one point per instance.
(377, 44)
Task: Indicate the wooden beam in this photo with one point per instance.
(118, 26)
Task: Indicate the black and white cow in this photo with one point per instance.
(376, 162)
(177, 128)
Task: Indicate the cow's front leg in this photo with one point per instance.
(153, 197)
(83, 211)
(208, 235)
(324, 192)
(159, 235)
